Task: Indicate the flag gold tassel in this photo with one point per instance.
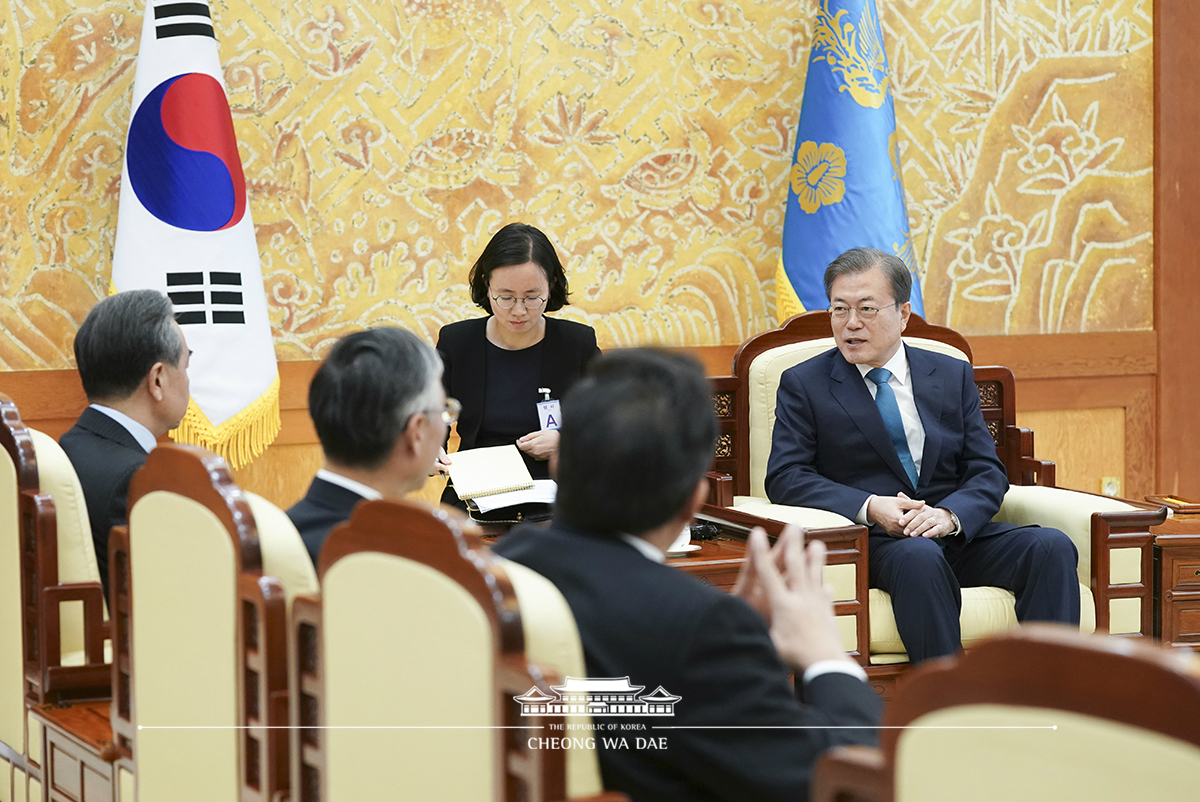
(787, 303)
(241, 438)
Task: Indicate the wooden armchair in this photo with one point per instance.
(52, 605)
(409, 662)
(1113, 537)
(1039, 713)
(18, 499)
(67, 646)
(200, 670)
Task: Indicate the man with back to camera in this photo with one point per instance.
(893, 437)
(637, 437)
(381, 415)
(132, 359)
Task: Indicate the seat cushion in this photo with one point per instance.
(985, 611)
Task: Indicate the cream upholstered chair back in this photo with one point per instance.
(765, 371)
(183, 576)
(202, 619)
(76, 550)
(16, 472)
(418, 635)
(408, 655)
(283, 553)
(1045, 713)
(552, 641)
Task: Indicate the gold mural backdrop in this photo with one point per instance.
(383, 143)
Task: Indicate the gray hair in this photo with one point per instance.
(121, 338)
(860, 260)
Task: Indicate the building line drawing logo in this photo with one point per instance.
(612, 696)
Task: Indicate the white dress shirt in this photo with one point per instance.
(140, 433)
(369, 493)
(914, 431)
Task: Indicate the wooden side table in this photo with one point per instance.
(1177, 581)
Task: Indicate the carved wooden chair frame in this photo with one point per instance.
(47, 680)
(262, 626)
(449, 543)
(1014, 446)
(1040, 666)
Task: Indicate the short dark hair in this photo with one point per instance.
(638, 433)
(860, 260)
(365, 391)
(121, 338)
(516, 244)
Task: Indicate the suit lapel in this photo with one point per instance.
(929, 395)
(476, 367)
(849, 389)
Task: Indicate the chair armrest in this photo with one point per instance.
(808, 517)
(95, 630)
(1023, 467)
(1069, 511)
(851, 774)
(720, 489)
(845, 546)
(1123, 569)
(1116, 547)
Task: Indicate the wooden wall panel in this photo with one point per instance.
(1085, 444)
(1177, 243)
(1054, 372)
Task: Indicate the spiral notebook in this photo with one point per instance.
(487, 471)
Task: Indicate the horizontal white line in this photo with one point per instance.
(653, 727)
(324, 727)
(863, 727)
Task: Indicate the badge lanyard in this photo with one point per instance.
(549, 415)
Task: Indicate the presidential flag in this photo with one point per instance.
(845, 190)
(184, 228)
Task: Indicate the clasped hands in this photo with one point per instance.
(786, 584)
(901, 516)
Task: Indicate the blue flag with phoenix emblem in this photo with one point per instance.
(845, 189)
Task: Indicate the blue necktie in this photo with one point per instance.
(885, 399)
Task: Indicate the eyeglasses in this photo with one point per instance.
(531, 304)
(449, 412)
(865, 313)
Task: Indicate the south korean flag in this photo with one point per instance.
(184, 229)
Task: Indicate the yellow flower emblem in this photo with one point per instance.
(817, 175)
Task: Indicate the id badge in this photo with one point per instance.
(549, 414)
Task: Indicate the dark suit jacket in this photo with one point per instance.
(566, 350)
(662, 627)
(105, 457)
(323, 507)
(830, 449)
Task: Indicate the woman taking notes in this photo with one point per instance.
(501, 366)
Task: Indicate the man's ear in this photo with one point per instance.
(905, 311)
(154, 381)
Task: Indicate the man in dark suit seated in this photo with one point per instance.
(132, 359)
(381, 415)
(637, 436)
(893, 438)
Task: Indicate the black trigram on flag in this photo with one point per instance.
(187, 291)
(182, 19)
